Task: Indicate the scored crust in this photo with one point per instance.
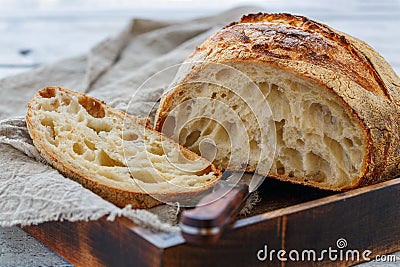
(101, 166)
(341, 66)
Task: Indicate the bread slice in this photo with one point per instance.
(334, 103)
(116, 155)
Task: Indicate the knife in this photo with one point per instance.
(206, 222)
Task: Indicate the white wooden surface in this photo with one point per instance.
(36, 32)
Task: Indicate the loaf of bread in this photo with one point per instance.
(116, 155)
(334, 103)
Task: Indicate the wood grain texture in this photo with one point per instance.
(94, 244)
(367, 218)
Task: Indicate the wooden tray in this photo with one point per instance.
(289, 217)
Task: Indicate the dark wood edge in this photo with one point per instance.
(176, 239)
(98, 243)
(314, 203)
(368, 218)
(123, 243)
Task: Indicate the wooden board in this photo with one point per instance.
(289, 217)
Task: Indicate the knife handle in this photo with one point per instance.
(205, 223)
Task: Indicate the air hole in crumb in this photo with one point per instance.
(357, 141)
(155, 150)
(224, 75)
(291, 174)
(66, 128)
(78, 149)
(209, 128)
(48, 92)
(48, 123)
(105, 160)
(65, 101)
(98, 126)
(348, 142)
(319, 176)
(55, 104)
(208, 149)
(168, 126)
(184, 156)
(264, 88)
(254, 148)
(335, 148)
(81, 117)
(89, 156)
(280, 168)
(182, 135)
(299, 142)
(192, 138)
(315, 162)
(90, 145)
(213, 95)
(223, 95)
(75, 108)
(274, 87)
(93, 106)
(129, 136)
(279, 130)
(254, 145)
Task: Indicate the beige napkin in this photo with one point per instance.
(114, 70)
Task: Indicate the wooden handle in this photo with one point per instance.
(205, 223)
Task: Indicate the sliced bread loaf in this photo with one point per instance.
(335, 103)
(116, 155)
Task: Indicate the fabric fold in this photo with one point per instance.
(102, 56)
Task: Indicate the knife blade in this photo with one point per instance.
(206, 222)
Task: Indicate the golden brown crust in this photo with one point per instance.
(297, 38)
(358, 76)
(118, 196)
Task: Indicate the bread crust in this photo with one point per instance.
(361, 80)
(118, 196)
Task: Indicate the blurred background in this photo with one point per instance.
(35, 32)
